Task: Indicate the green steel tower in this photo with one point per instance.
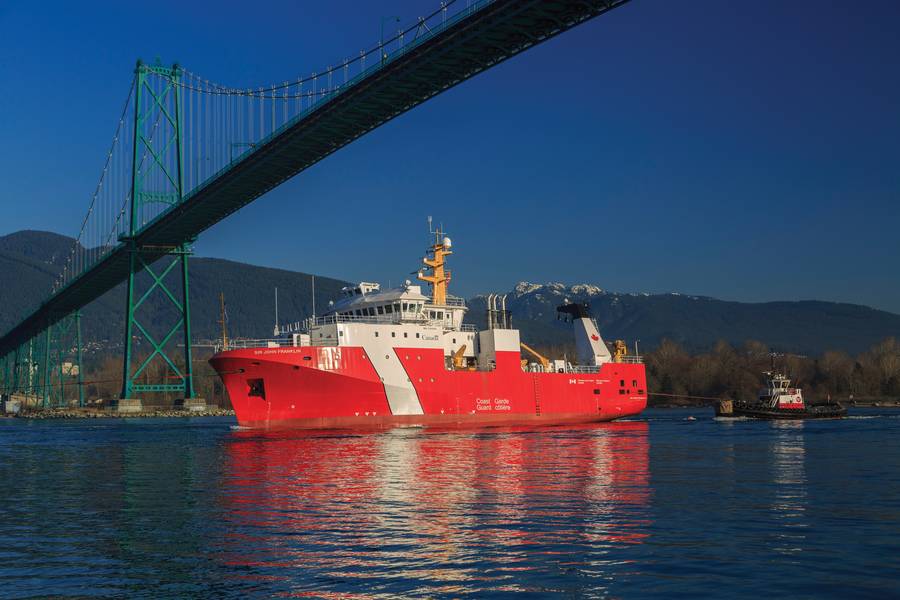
(157, 179)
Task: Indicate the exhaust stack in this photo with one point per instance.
(590, 346)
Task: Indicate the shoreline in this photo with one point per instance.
(89, 413)
(173, 413)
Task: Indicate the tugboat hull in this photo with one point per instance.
(821, 411)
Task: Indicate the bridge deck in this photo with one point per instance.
(467, 46)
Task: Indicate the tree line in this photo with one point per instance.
(736, 372)
(675, 375)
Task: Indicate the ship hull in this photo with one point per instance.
(829, 411)
(340, 387)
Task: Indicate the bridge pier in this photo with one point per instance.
(129, 405)
(192, 404)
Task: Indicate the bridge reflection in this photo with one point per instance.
(439, 508)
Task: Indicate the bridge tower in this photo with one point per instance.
(157, 181)
(61, 363)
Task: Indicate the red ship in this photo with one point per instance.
(398, 357)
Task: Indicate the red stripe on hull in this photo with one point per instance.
(328, 387)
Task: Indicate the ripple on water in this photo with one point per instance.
(661, 506)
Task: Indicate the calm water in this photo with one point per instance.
(662, 506)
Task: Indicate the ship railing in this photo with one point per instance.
(631, 359)
(449, 301)
(596, 368)
(392, 319)
(243, 344)
(377, 319)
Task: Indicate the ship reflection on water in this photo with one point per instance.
(424, 511)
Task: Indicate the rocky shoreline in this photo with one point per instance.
(87, 413)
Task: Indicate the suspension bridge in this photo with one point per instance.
(188, 152)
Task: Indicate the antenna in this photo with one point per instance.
(314, 294)
(429, 225)
(276, 311)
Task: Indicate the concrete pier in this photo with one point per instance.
(192, 404)
(129, 405)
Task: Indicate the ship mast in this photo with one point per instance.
(223, 320)
(435, 260)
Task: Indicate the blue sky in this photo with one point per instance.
(747, 151)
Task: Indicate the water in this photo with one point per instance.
(661, 506)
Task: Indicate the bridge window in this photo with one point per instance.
(388, 309)
(393, 334)
(380, 310)
(397, 307)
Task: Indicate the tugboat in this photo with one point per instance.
(778, 400)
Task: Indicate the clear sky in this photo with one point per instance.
(742, 150)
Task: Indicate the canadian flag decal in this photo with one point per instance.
(595, 337)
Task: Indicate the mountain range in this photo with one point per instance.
(31, 260)
(697, 322)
